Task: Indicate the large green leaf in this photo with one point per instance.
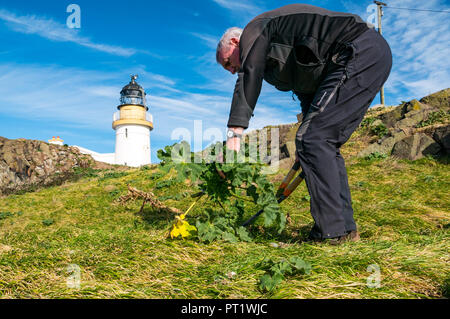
(243, 234)
(300, 265)
(229, 237)
(270, 214)
(268, 282)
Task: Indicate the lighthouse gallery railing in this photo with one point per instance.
(116, 117)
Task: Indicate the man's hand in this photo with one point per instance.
(234, 143)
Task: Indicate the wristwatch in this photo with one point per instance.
(231, 134)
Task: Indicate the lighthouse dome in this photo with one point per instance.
(133, 93)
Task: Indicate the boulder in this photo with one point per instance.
(413, 105)
(390, 118)
(413, 113)
(442, 136)
(415, 147)
(440, 99)
(384, 146)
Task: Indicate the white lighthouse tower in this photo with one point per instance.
(132, 124)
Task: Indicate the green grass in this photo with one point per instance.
(401, 208)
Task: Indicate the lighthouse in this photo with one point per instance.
(132, 124)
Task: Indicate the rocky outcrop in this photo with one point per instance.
(413, 129)
(415, 146)
(25, 164)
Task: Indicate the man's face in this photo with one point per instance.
(229, 57)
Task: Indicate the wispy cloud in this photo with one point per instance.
(242, 5)
(74, 96)
(419, 43)
(52, 30)
(209, 40)
(62, 94)
(242, 10)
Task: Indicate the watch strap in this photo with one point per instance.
(234, 134)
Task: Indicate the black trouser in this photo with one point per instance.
(330, 117)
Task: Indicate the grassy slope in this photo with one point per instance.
(400, 206)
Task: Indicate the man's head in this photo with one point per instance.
(227, 53)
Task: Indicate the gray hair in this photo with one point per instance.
(224, 42)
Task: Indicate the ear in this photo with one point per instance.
(234, 41)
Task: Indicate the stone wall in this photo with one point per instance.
(25, 164)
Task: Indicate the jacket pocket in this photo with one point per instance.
(308, 66)
(278, 71)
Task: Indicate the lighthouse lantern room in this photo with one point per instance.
(132, 124)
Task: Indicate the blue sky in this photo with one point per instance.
(60, 81)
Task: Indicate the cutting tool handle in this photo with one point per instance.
(292, 186)
(288, 179)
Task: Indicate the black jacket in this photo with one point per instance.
(288, 47)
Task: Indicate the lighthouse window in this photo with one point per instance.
(126, 133)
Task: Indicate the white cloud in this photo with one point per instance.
(209, 40)
(419, 44)
(242, 5)
(101, 91)
(52, 30)
(242, 11)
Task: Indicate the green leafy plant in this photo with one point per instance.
(366, 122)
(164, 184)
(177, 196)
(376, 156)
(379, 130)
(4, 215)
(236, 183)
(277, 271)
(48, 222)
(156, 175)
(85, 172)
(114, 193)
(434, 117)
(109, 175)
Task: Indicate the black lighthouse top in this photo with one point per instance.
(133, 93)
